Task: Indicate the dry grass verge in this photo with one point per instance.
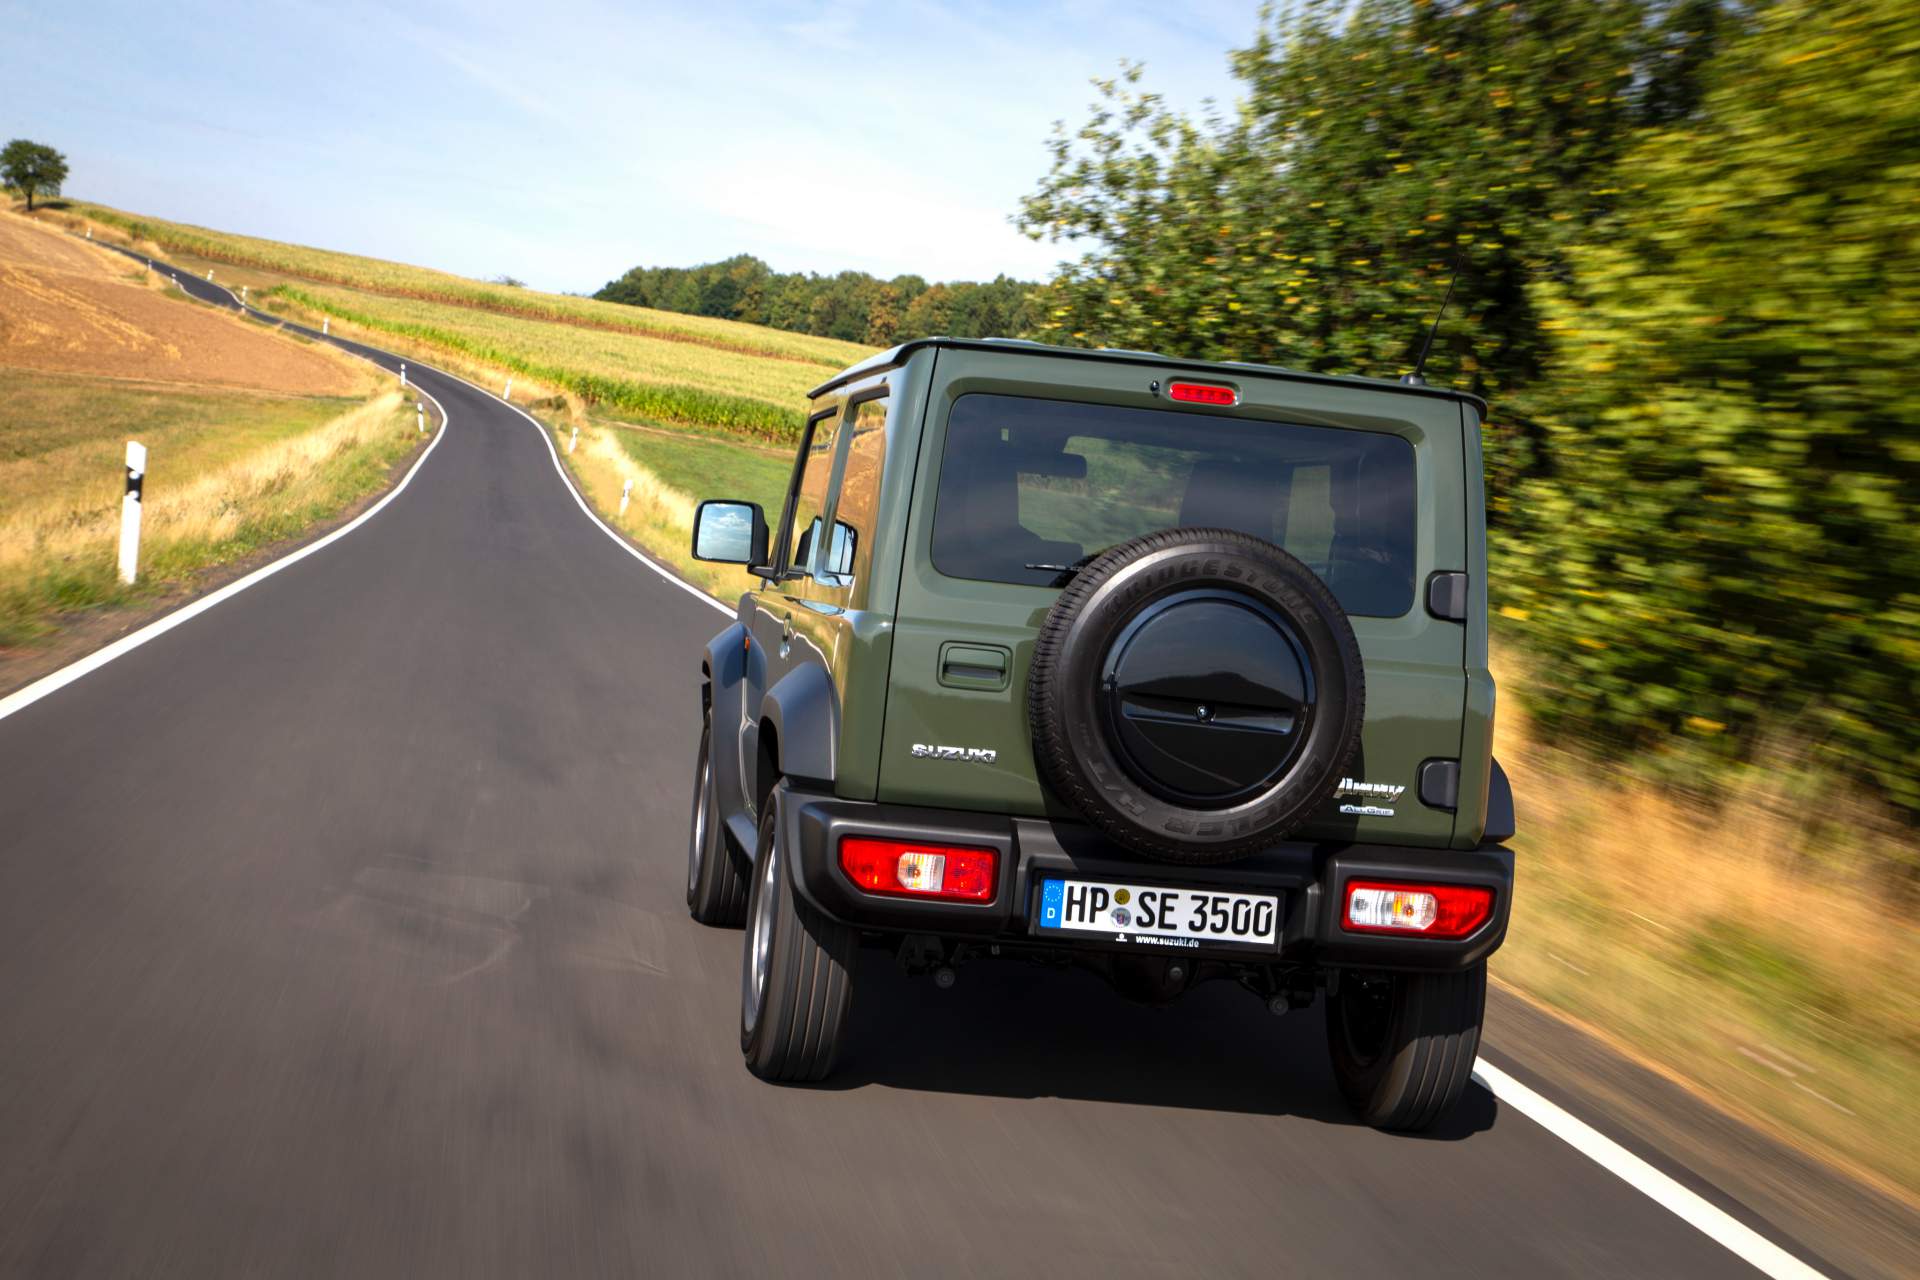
(228, 474)
(1775, 972)
(658, 516)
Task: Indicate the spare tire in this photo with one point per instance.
(1196, 694)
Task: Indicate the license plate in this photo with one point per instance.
(1155, 915)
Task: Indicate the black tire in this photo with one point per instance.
(716, 891)
(1403, 1045)
(795, 1028)
(1121, 764)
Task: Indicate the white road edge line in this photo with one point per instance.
(567, 480)
(553, 453)
(21, 699)
(573, 489)
(1744, 1242)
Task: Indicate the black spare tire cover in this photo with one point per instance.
(1196, 694)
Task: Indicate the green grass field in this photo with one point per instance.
(62, 437)
(708, 468)
(665, 380)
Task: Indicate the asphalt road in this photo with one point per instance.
(342, 933)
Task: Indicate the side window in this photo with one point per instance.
(810, 490)
(854, 514)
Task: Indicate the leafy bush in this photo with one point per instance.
(1378, 145)
(1726, 548)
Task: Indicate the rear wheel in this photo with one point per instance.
(716, 891)
(796, 977)
(1404, 1044)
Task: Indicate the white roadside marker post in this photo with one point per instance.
(325, 323)
(508, 393)
(243, 296)
(89, 233)
(420, 416)
(574, 441)
(625, 493)
(130, 512)
(209, 273)
(403, 373)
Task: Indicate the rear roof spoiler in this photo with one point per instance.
(896, 356)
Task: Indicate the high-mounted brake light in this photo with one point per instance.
(917, 870)
(1428, 910)
(1202, 393)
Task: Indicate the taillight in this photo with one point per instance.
(917, 870)
(1427, 910)
(1202, 393)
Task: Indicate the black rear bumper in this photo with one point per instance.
(1310, 878)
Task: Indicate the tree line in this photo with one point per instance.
(1688, 241)
(850, 305)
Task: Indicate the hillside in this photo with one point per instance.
(393, 279)
(252, 436)
(653, 366)
(70, 307)
(652, 393)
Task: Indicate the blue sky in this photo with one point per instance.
(568, 140)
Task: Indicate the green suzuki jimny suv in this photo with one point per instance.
(1174, 670)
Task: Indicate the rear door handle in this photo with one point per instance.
(975, 666)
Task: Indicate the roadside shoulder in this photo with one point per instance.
(1794, 1197)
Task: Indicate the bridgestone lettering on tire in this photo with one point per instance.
(1194, 760)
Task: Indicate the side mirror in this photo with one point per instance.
(729, 532)
(840, 550)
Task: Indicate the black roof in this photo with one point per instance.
(1224, 368)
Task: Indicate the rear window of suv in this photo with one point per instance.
(1031, 488)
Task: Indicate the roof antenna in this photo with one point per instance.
(1415, 379)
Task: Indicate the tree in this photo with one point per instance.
(32, 169)
(930, 314)
(1377, 145)
(1725, 554)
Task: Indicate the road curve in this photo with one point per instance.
(342, 933)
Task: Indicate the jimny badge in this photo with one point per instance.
(1368, 799)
